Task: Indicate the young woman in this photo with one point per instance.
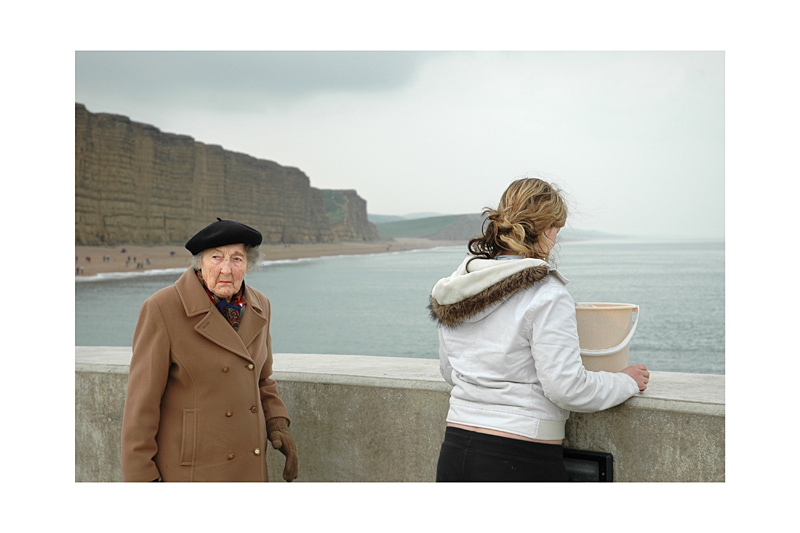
(508, 343)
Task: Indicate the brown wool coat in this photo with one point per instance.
(199, 392)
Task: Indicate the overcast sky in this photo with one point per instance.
(635, 138)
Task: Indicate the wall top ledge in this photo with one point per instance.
(103, 359)
(673, 391)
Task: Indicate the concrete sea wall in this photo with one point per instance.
(382, 419)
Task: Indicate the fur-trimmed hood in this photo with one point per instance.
(465, 294)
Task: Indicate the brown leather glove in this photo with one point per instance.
(278, 434)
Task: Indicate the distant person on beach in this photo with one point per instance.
(201, 403)
(508, 344)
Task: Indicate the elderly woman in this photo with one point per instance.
(201, 404)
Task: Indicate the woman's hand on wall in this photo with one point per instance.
(639, 373)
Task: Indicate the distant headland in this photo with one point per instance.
(457, 228)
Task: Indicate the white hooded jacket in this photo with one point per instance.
(508, 343)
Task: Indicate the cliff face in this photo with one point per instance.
(347, 215)
(135, 184)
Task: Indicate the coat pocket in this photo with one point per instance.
(188, 437)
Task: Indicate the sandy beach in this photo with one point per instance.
(93, 260)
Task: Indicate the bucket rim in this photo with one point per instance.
(599, 306)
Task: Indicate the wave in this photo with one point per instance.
(108, 276)
(270, 262)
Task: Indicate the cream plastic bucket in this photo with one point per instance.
(604, 333)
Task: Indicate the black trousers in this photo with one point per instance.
(471, 456)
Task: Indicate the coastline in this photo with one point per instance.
(93, 260)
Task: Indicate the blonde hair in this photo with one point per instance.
(528, 207)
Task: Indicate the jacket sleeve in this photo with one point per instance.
(556, 353)
(445, 368)
(147, 380)
(271, 403)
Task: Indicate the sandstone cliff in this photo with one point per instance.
(347, 214)
(135, 184)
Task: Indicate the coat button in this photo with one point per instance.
(225, 368)
(229, 413)
(257, 451)
(254, 409)
(231, 456)
(251, 366)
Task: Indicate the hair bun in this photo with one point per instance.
(500, 220)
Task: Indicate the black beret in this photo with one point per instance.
(220, 233)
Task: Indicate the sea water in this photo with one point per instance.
(377, 304)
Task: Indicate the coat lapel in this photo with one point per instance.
(254, 320)
(213, 325)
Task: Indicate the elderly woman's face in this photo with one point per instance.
(223, 269)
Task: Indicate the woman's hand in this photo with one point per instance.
(639, 373)
(278, 434)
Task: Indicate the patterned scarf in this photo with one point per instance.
(232, 311)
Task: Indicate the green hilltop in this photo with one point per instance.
(420, 227)
(456, 228)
